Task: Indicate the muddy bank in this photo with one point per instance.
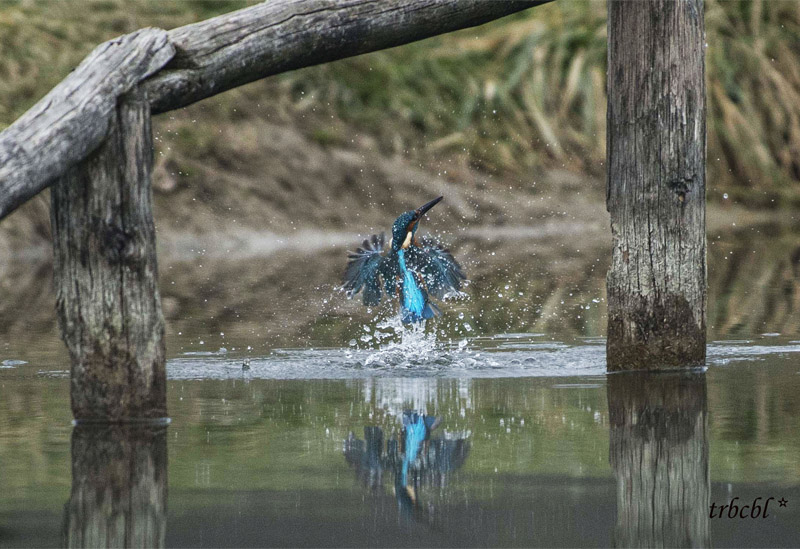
(267, 186)
(263, 177)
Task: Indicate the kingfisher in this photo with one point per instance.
(412, 269)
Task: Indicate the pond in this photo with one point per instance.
(300, 419)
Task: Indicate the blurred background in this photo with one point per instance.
(506, 120)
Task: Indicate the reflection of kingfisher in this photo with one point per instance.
(416, 269)
(414, 458)
(417, 430)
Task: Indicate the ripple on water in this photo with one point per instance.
(409, 352)
(417, 354)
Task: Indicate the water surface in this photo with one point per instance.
(519, 437)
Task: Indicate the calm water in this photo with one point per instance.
(497, 426)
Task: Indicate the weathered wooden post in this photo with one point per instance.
(106, 279)
(656, 184)
(119, 487)
(659, 454)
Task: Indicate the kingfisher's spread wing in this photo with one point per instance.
(363, 270)
(437, 266)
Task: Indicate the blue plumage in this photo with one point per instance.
(417, 270)
(415, 300)
(417, 430)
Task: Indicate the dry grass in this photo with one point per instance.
(754, 97)
(514, 97)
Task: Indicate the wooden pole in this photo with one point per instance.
(119, 487)
(282, 35)
(71, 121)
(106, 278)
(659, 455)
(656, 184)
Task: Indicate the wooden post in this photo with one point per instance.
(659, 455)
(656, 184)
(119, 487)
(106, 279)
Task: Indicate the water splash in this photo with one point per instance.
(404, 345)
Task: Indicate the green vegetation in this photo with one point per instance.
(514, 97)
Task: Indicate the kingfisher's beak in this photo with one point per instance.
(422, 210)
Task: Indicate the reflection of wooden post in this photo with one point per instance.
(119, 487)
(659, 455)
(106, 278)
(656, 184)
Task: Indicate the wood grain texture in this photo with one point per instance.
(658, 452)
(281, 35)
(119, 487)
(106, 280)
(73, 119)
(656, 184)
